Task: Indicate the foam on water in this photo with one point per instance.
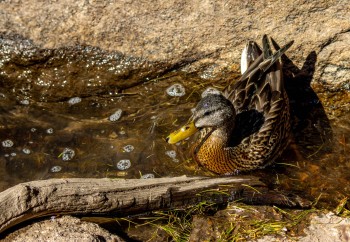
(74, 100)
(123, 164)
(176, 90)
(116, 115)
(26, 151)
(147, 176)
(56, 169)
(128, 148)
(67, 154)
(7, 143)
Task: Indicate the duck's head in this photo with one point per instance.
(213, 111)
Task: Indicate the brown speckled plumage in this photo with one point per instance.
(260, 88)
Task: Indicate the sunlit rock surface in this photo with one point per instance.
(65, 228)
(211, 32)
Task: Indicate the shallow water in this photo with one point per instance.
(122, 134)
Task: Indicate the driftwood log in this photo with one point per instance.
(120, 197)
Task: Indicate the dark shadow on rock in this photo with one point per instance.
(57, 74)
(310, 125)
(312, 134)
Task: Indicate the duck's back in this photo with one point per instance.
(262, 123)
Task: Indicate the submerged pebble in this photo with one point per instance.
(176, 90)
(7, 143)
(74, 100)
(147, 176)
(67, 154)
(56, 169)
(123, 164)
(116, 115)
(128, 148)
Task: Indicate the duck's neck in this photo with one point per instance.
(221, 135)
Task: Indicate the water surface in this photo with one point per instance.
(102, 131)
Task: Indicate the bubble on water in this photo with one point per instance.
(122, 132)
(2, 95)
(116, 115)
(49, 131)
(171, 153)
(147, 176)
(26, 151)
(6, 155)
(74, 100)
(128, 148)
(7, 143)
(33, 130)
(67, 154)
(24, 102)
(13, 154)
(210, 90)
(123, 164)
(56, 169)
(176, 90)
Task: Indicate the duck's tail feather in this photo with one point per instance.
(270, 59)
(266, 47)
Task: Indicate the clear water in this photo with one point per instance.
(122, 134)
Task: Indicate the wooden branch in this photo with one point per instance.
(120, 197)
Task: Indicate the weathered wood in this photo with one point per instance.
(119, 197)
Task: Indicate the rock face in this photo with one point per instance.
(327, 227)
(171, 31)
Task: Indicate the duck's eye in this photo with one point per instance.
(206, 113)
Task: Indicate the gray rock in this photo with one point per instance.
(327, 228)
(65, 228)
(173, 31)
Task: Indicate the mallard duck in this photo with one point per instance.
(247, 126)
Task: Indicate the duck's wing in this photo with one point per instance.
(263, 76)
